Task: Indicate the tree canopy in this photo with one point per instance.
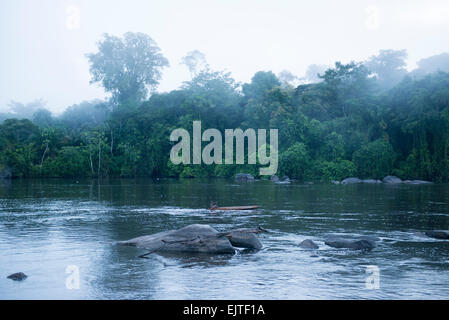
(349, 123)
(126, 66)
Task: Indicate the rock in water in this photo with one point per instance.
(308, 244)
(244, 177)
(391, 179)
(274, 178)
(438, 234)
(194, 238)
(360, 244)
(416, 182)
(244, 240)
(197, 238)
(371, 181)
(351, 180)
(244, 237)
(370, 238)
(284, 180)
(19, 276)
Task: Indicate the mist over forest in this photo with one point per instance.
(364, 118)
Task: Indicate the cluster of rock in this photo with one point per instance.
(243, 177)
(197, 238)
(351, 180)
(366, 243)
(353, 243)
(386, 180)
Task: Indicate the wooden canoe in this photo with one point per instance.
(235, 208)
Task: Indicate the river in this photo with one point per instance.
(54, 230)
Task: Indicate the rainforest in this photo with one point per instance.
(367, 119)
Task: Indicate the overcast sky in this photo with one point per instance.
(43, 44)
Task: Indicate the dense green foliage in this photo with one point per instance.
(350, 124)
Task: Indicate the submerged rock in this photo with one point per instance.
(353, 243)
(197, 238)
(308, 244)
(372, 181)
(416, 182)
(284, 180)
(391, 179)
(18, 276)
(244, 177)
(351, 180)
(369, 238)
(438, 234)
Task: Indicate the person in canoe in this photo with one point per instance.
(213, 205)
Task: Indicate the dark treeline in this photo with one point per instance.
(366, 119)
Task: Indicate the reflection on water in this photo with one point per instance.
(48, 225)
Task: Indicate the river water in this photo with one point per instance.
(54, 230)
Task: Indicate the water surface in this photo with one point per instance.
(47, 225)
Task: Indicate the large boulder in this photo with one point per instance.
(351, 180)
(197, 238)
(244, 237)
(194, 238)
(391, 179)
(241, 239)
(244, 177)
(308, 244)
(438, 234)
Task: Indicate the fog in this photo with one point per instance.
(44, 43)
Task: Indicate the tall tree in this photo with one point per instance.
(261, 83)
(196, 62)
(314, 71)
(25, 110)
(127, 66)
(439, 62)
(388, 66)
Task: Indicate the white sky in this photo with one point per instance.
(43, 49)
